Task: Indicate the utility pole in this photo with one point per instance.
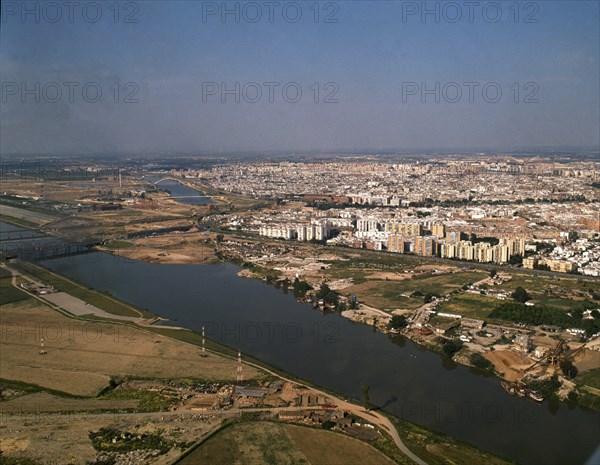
(240, 374)
(203, 343)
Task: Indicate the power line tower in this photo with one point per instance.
(240, 374)
(203, 343)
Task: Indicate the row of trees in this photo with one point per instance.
(540, 315)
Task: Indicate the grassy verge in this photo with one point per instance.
(19, 222)
(9, 293)
(439, 449)
(149, 401)
(93, 297)
(589, 378)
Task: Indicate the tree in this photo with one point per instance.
(427, 298)
(364, 387)
(521, 295)
(479, 361)
(300, 288)
(451, 347)
(397, 322)
(568, 369)
(219, 238)
(493, 273)
(323, 291)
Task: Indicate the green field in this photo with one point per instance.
(9, 293)
(470, 305)
(437, 449)
(590, 378)
(396, 294)
(568, 283)
(562, 293)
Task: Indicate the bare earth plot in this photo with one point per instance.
(82, 355)
(509, 362)
(63, 439)
(42, 402)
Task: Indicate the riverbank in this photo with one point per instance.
(131, 335)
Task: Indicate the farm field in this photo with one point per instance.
(266, 443)
(82, 355)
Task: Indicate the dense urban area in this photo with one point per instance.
(491, 260)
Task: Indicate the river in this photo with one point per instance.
(178, 191)
(331, 351)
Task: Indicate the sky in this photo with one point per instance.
(192, 76)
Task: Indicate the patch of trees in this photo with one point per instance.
(397, 322)
(546, 387)
(540, 315)
(539, 246)
(479, 361)
(300, 288)
(327, 424)
(329, 297)
(450, 348)
(110, 439)
(568, 369)
(515, 260)
(520, 295)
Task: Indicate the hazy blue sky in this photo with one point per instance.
(370, 54)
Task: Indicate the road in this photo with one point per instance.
(373, 417)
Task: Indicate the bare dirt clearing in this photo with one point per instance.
(82, 355)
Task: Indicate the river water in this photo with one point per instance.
(180, 192)
(331, 351)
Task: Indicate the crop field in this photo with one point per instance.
(266, 443)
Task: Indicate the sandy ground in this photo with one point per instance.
(587, 360)
(174, 248)
(82, 355)
(63, 439)
(509, 362)
(386, 275)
